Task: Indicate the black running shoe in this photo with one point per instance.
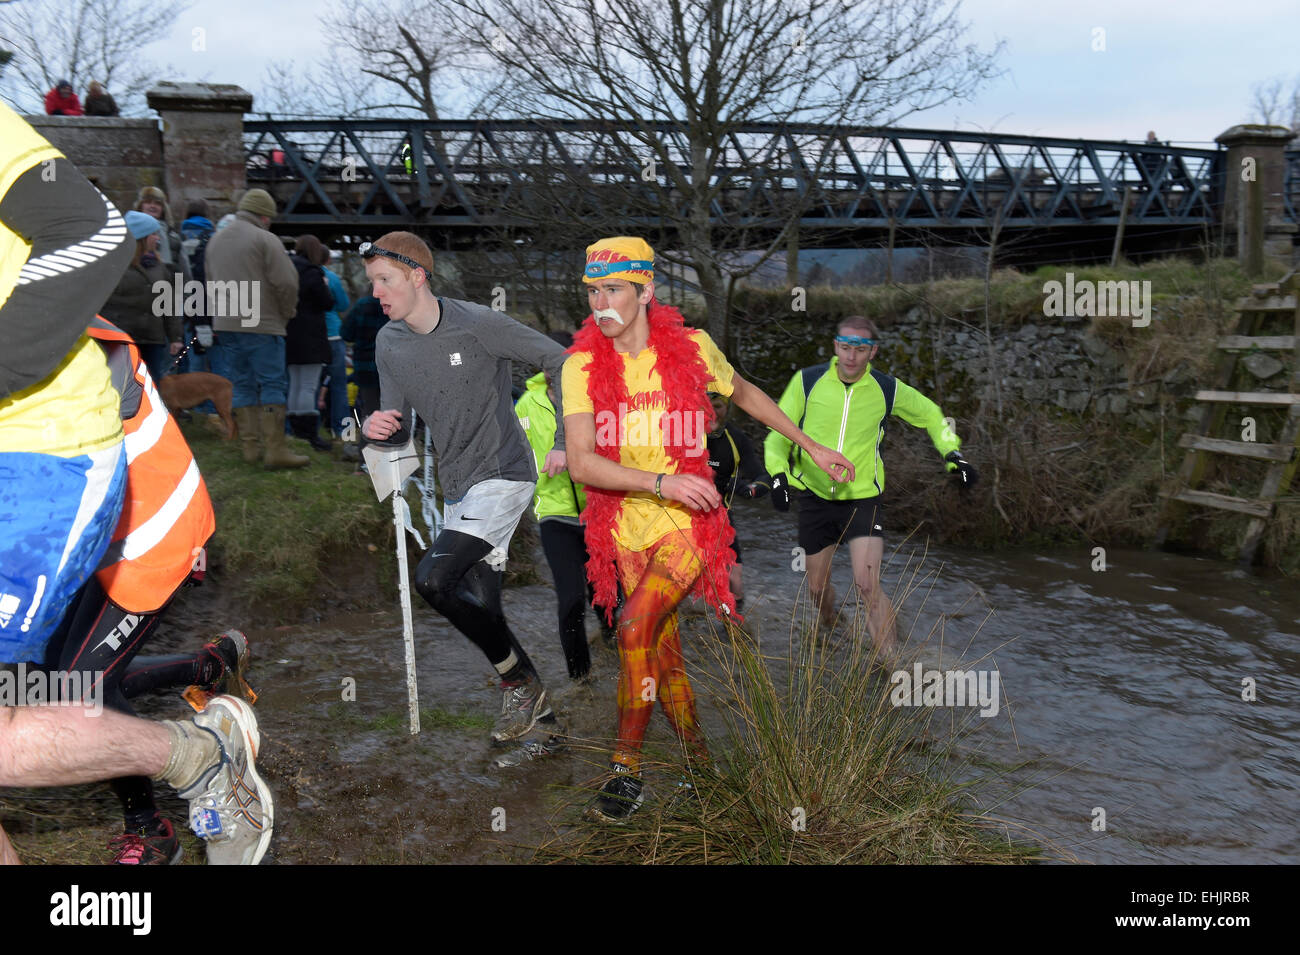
(618, 798)
(232, 649)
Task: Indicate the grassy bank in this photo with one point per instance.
(286, 539)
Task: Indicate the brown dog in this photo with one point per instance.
(193, 388)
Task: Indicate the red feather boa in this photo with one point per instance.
(685, 379)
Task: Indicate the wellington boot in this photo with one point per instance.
(249, 422)
(307, 427)
(278, 455)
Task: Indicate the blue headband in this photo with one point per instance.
(855, 340)
(596, 270)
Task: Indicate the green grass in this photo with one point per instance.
(283, 537)
(1014, 297)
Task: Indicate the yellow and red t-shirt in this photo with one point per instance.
(642, 428)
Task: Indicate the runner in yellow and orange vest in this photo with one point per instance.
(62, 468)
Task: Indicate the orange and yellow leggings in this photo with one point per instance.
(650, 646)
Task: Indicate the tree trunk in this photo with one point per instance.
(714, 287)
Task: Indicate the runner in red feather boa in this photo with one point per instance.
(677, 541)
(685, 380)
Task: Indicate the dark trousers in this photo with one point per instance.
(566, 553)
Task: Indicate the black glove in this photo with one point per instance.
(756, 489)
(780, 492)
(965, 476)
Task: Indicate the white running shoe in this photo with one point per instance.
(230, 807)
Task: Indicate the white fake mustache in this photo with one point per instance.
(607, 313)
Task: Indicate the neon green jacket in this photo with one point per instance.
(556, 496)
(850, 419)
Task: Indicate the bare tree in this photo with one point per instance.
(1266, 100)
(708, 67)
(80, 41)
(1274, 105)
(409, 51)
(294, 92)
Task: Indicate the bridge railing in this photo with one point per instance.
(471, 173)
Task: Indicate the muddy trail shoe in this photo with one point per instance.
(230, 806)
(151, 845)
(232, 649)
(522, 706)
(620, 797)
(536, 747)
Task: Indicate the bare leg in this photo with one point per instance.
(867, 553)
(737, 585)
(60, 745)
(819, 584)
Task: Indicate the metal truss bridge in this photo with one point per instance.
(463, 183)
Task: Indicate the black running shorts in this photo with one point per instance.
(824, 523)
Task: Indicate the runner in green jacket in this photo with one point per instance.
(845, 405)
(557, 505)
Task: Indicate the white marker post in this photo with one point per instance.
(389, 468)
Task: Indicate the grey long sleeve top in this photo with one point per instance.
(457, 378)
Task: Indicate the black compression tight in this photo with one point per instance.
(454, 580)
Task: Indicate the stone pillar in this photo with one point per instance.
(203, 148)
(1266, 145)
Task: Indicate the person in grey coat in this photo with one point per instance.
(252, 295)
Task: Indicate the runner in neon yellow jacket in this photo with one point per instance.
(845, 405)
(557, 506)
(63, 247)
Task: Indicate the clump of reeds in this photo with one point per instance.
(814, 765)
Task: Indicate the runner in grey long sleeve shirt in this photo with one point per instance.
(457, 378)
(449, 361)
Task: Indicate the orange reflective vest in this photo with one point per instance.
(167, 515)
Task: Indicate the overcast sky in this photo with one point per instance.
(1184, 69)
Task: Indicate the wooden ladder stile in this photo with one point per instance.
(1264, 302)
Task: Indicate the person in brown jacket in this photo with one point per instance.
(252, 295)
(99, 101)
(131, 306)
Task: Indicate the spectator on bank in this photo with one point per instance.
(62, 101)
(153, 201)
(251, 348)
(130, 307)
(360, 326)
(307, 347)
(336, 399)
(99, 102)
